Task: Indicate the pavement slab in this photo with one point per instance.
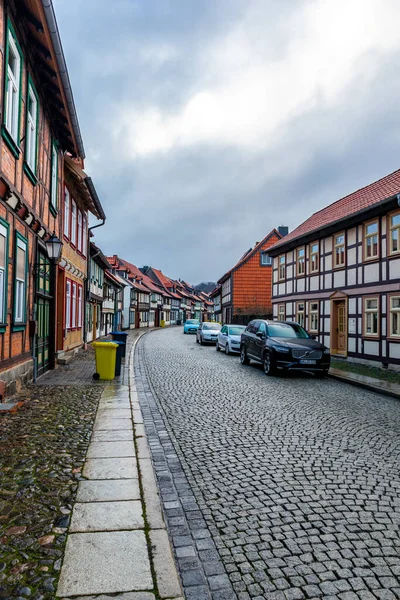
(111, 449)
(107, 516)
(108, 490)
(114, 413)
(110, 468)
(125, 596)
(105, 563)
(112, 435)
(106, 423)
(167, 578)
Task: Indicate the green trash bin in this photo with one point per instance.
(120, 336)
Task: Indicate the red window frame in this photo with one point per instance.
(67, 222)
(73, 238)
(74, 297)
(80, 306)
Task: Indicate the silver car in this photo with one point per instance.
(229, 338)
(207, 333)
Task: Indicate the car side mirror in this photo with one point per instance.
(312, 336)
(260, 335)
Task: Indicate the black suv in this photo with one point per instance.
(283, 345)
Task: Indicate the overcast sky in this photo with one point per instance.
(206, 123)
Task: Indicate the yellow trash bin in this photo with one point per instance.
(106, 353)
(162, 324)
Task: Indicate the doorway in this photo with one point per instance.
(43, 302)
(339, 326)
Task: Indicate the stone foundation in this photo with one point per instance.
(16, 377)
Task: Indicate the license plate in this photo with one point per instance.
(308, 361)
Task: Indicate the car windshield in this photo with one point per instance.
(192, 322)
(284, 330)
(236, 330)
(211, 326)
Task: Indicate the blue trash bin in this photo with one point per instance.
(120, 336)
(118, 360)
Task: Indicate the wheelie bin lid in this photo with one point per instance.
(118, 333)
(105, 344)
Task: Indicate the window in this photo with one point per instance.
(13, 86)
(73, 222)
(394, 233)
(84, 235)
(31, 128)
(301, 261)
(3, 270)
(67, 210)
(20, 266)
(371, 232)
(282, 267)
(371, 308)
(54, 177)
(314, 257)
(80, 306)
(300, 313)
(394, 307)
(339, 250)
(266, 260)
(73, 306)
(281, 312)
(313, 316)
(79, 244)
(68, 304)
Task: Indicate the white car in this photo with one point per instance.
(207, 333)
(229, 338)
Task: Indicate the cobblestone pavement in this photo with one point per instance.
(42, 451)
(78, 372)
(296, 479)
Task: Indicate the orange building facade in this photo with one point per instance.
(246, 289)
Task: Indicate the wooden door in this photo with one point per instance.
(43, 301)
(341, 328)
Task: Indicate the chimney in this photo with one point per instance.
(283, 230)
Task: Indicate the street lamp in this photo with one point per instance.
(53, 247)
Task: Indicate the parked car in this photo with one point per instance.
(191, 326)
(207, 332)
(285, 346)
(229, 338)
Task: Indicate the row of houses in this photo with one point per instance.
(337, 274)
(57, 289)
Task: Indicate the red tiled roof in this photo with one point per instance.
(113, 278)
(352, 204)
(250, 253)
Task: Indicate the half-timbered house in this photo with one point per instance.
(338, 274)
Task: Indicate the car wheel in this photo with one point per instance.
(197, 340)
(243, 356)
(268, 364)
(201, 340)
(227, 351)
(218, 349)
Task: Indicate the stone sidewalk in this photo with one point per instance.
(117, 543)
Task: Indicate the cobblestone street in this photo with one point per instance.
(297, 480)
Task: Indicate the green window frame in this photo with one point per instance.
(31, 131)
(13, 68)
(54, 178)
(4, 249)
(20, 281)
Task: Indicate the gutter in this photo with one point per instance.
(96, 200)
(55, 38)
(277, 249)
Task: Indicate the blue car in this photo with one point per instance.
(191, 326)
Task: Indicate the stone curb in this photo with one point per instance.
(161, 555)
(379, 387)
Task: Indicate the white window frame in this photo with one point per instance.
(67, 210)
(314, 258)
(68, 285)
(371, 236)
(20, 285)
(340, 246)
(31, 130)
(84, 235)
(80, 306)
(301, 262)
(79, 228)
(13, 89)
(301, 313)
(74, 210)
(281, 313)
(3, 276)
(313, 316)
(368, 314)
(397, 312)
(392, 229)
(73, 305)
(282, 266)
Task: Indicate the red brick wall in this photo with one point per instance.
(252, 285)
